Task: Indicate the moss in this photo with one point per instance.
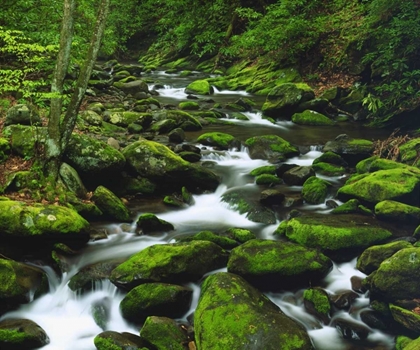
(375, 163)
(217, 139)
(191, 106)
(397, 212)
(200, 87)
(328, 169)
(265, 169)
(149, 222)
(408, 319)
(224, 242)
(163, 333)
(414, 345)
(267, 179)
(393, 184)
(319, 299)
(331, 158)
(105, 344)
(314, 190)
(110, 204)
(239, 234)
(334, 232)
(409, 152)
(239, 116)
(275, 143)
(309, 117)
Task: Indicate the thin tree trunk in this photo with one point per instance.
(52, 146)
(69, 121)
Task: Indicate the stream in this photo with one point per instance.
(66, 316)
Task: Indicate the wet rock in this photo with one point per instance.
(241, 200)
(350, 149)
(155, 299)
(394, 211)
(149, 223)
(350, 329)
(72, 180)
(357, 284)
(233, 313)
(219, 140)
(278, 265)
(331, 204)
(372, 257)
(101, 311)
(18, 334)
(164, 333)
(271, 196)
(398, 277)
(315, 190)
(176, 135)
(338, 236)
(123, 341)
(280, 170)
(169, 263)
(111, 206)
(298, 175)
(317, 303)
(88, 276)
(408, 319)
(343, 299)
(270, 147)
(374, 320)
(19, 283)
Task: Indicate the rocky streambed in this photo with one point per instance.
(235, 224)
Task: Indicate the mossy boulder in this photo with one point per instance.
(91, 117)
(132, 87)
(231, 314)
(178, 119)
(409, 152)
(22, 114)
(222, 241)
(25, 140)
(352, 206)
(163, 333)
(189, 106)
(397, 212)
(283, 99)
(330, 158)
(398, 277)
(149, 223)
(407, 344)
(4, 149)
(350, 149)
(374, 163)
(273, 265)
(265, 169)
(18, 284)
(268, 180)
(372, 257)
(297, 175)
(126, 118)
(309, 117)
(338, 236)
(111, 206)
(270, 147)
(243, 200)
(93, 157)
(16, 334)
(317, 303)
(199, 87)
(168, 263)
(407, 318)
(155, 299)
(328, 169)
(401, 185)
(240, 235)
(315, 190)
(110, 340)
(52, 222)
(159, 164)
(219, 139)
(72, 180)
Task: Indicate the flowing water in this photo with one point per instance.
(66, 316)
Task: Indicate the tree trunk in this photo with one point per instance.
(69, 121)
(52, 146)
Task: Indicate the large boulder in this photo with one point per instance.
(111, 206)
(372, 257)
(352, 150)
(219, 140)
(298, 175)
(270, 147)
(168, 263)
(309, 117)
(338, 236)
(231, 314)
(91, 157)
(19, 220)
(16, 334)
(132, 87)
(277, 265)
(158, 163)
(155, 299)
(19, 282)
(400, 184)
(315, 190)
(397, 212)
(398, 277)
(283, 99)
(22, 114)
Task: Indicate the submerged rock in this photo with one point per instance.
(233, 315)
(278, 265)
(169, 263)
